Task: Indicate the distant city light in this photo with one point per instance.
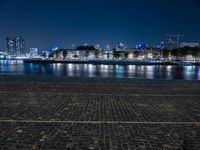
(85, 44)
(141, 46)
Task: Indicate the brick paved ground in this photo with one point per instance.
(78, 113)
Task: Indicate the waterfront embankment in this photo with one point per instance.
(111, 62)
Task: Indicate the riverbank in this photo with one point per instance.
(91, 80)
(111, 62)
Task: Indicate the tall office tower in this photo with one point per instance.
(33, 52)
(15, 45)
(173, 41)
(10, 46)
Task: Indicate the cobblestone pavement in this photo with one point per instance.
(116, 114)
(98, 136)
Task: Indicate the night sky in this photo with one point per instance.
(48, 23)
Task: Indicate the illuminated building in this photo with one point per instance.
(45, 54)
(173, 41)
(33, 52)
(107, 53)
(15, 45)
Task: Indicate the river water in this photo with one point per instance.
(14, 67)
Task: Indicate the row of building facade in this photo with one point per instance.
(130, 54)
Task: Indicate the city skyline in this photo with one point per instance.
(46, 24)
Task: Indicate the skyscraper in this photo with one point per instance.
(33, 52)
(15, 45)
(173, 41)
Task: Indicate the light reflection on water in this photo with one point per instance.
(198, 74)
(112, 71)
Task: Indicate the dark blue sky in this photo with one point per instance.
(48, 23)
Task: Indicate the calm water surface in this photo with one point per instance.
(112, 71)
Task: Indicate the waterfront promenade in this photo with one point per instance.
(46, 112)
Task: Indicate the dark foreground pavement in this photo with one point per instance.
(93, 113)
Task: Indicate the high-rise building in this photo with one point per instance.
(33, 52)
(10, 45)
(15, 45)
(173, 41)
